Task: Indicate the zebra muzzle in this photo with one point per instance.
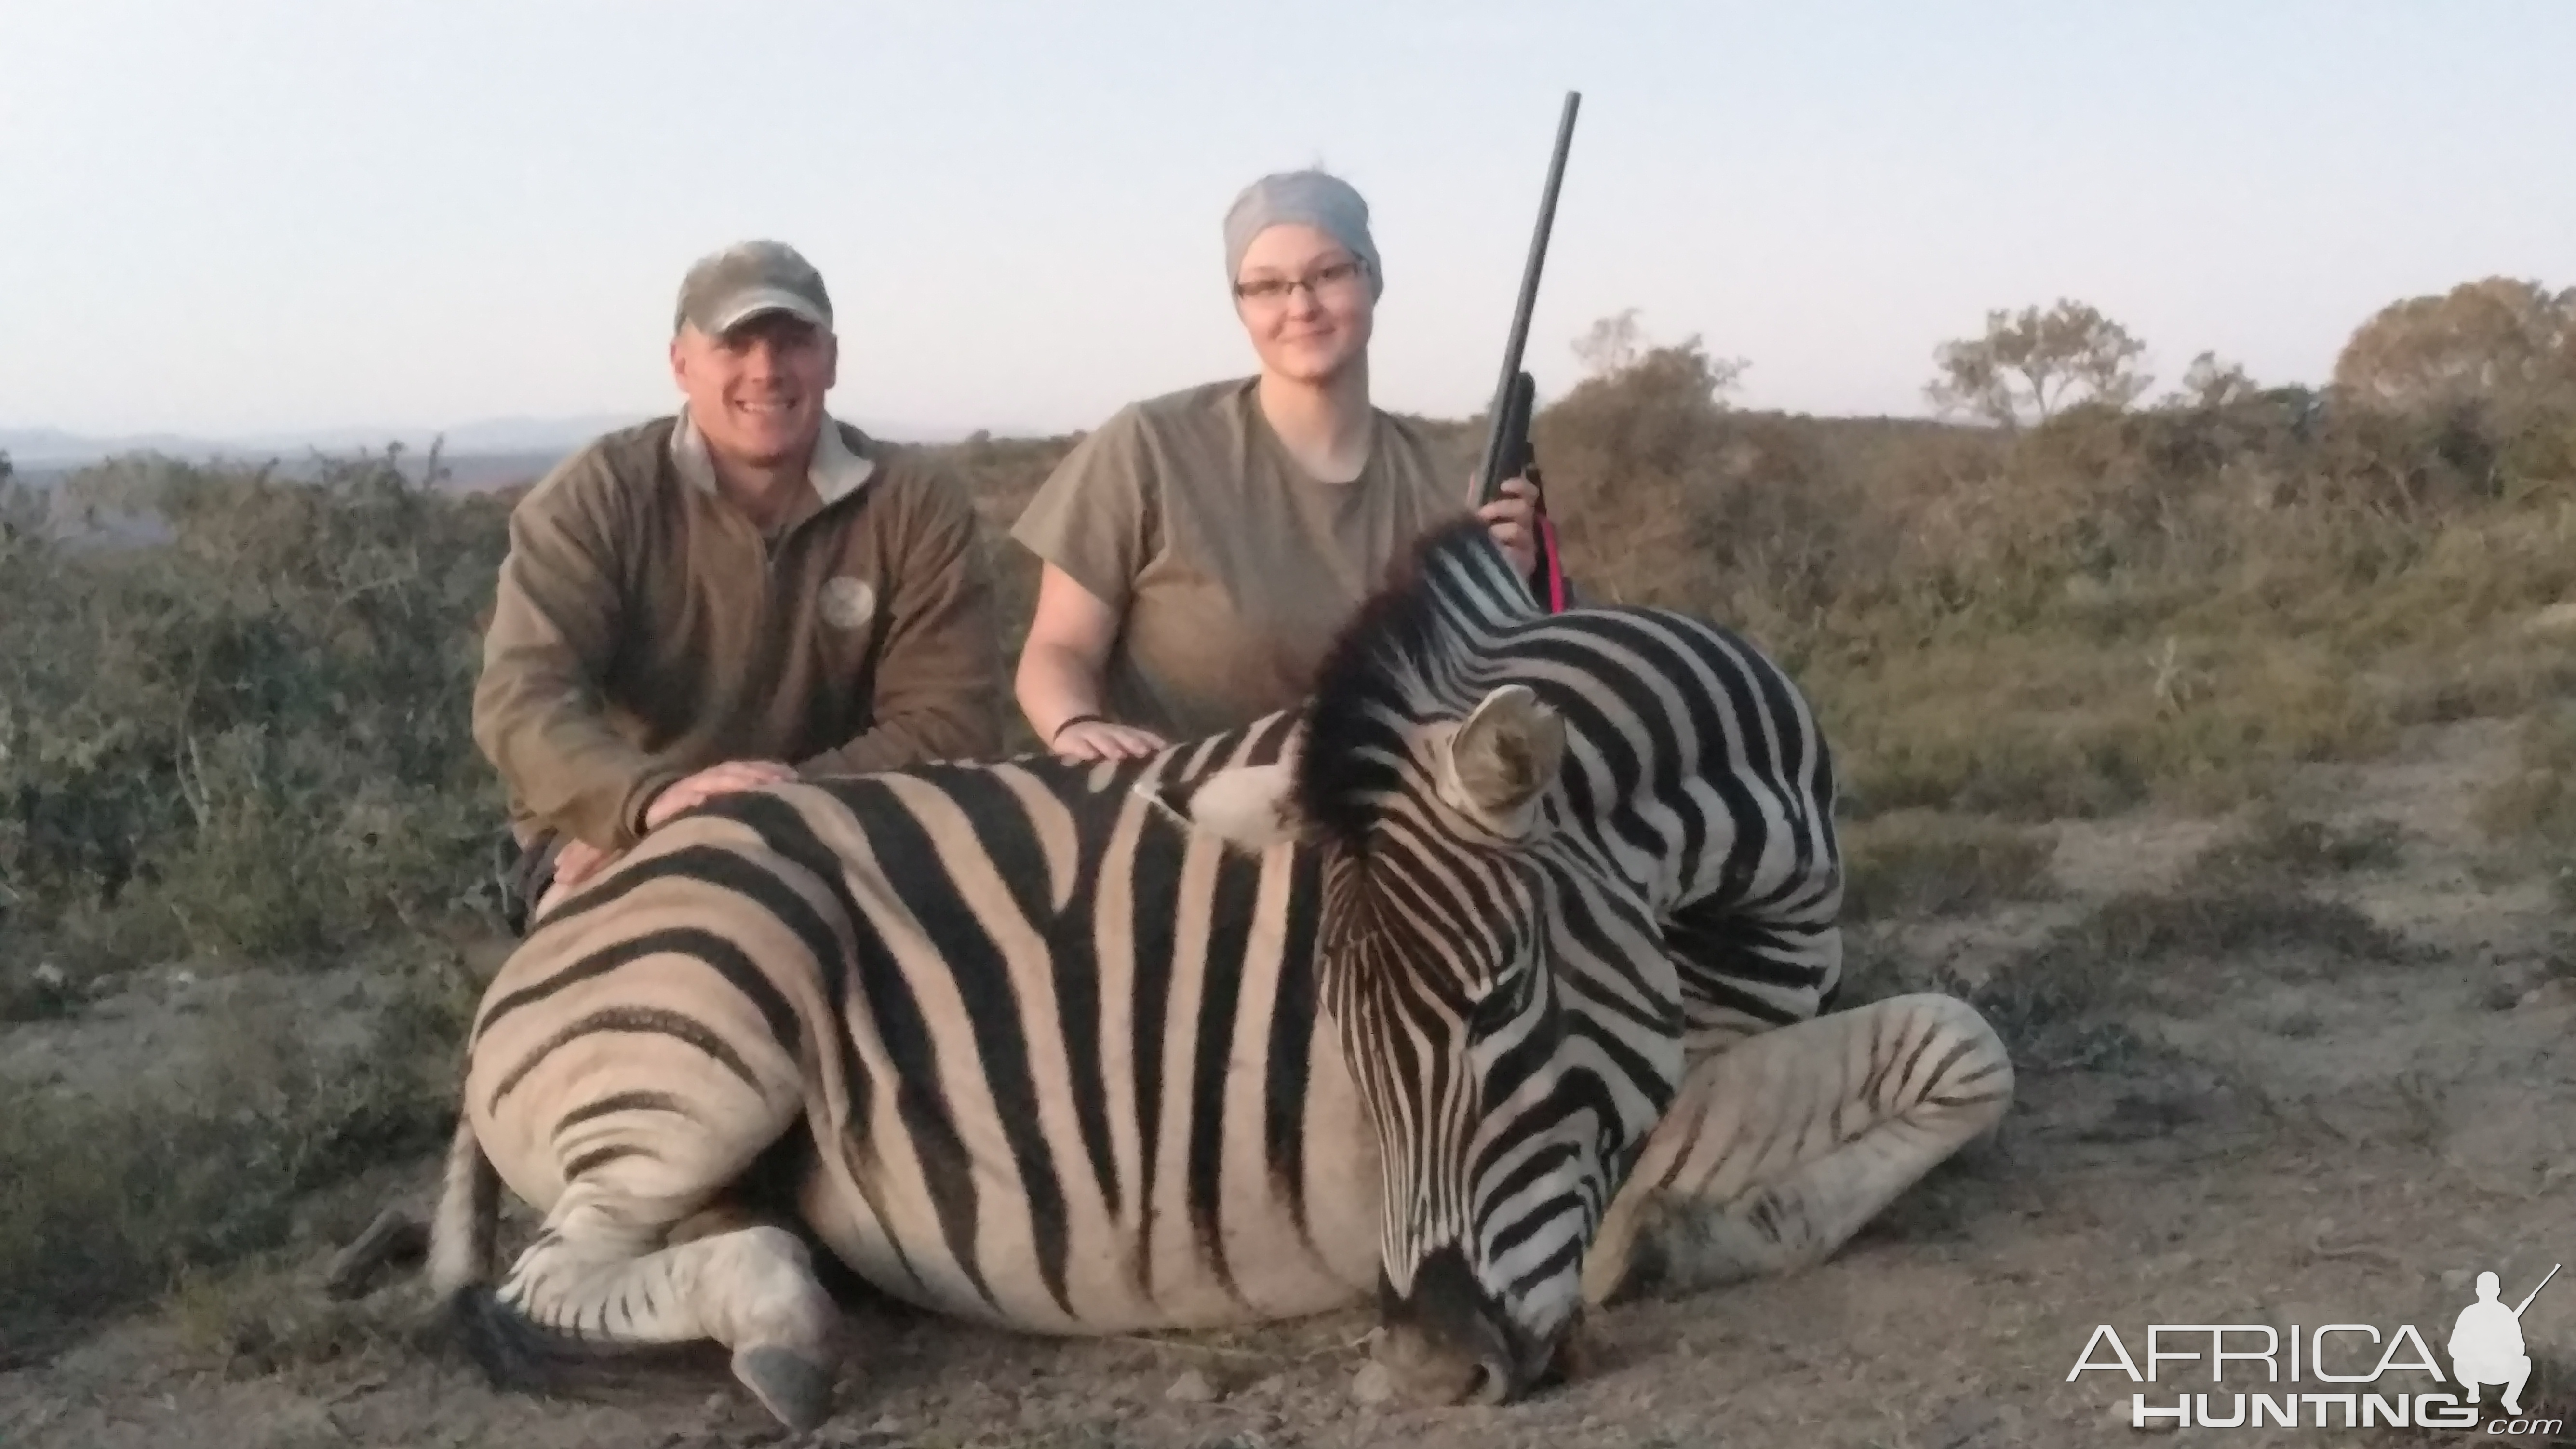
(1448, 1342)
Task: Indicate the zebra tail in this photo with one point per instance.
(462, 1235)
(512, 1352)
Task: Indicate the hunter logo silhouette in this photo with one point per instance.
(2486, 1342)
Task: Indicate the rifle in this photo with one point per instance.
(2535, 1290)
(1507, 445)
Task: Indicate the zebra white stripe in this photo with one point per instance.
(1386, 998)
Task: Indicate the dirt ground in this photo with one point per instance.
(2299, 1133)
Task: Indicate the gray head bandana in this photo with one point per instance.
(1326, 203)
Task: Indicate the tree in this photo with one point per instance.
(1611, 345)
(2496, 340)
(1665, 493)
(2209, 384)
(2034, 361)
(13, 503)
(1616, 345)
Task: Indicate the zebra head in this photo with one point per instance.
(1494, 983)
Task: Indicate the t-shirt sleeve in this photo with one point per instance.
(1094, 517)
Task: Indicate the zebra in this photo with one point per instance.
(1494, 984)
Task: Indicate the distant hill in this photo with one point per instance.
(503, 452)
(473, 450)
(31, 447)
(464, 472)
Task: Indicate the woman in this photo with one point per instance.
(1202, 548)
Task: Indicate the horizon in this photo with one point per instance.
(1020, 239)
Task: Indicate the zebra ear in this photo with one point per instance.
(1250, 807)
(1501, 758)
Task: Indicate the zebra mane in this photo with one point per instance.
(1408, 653)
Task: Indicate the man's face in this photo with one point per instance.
(756, 392)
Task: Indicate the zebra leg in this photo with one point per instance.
(605, 1269)
(650, 1243)
(1781, 1147)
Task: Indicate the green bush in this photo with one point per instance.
(250, 739)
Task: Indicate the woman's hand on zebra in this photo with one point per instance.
(1099, 739)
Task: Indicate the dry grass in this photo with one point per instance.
(2276, 847)
(2064, 1001)
(2530, 814)
(110, 1199)
(2537, 803)
(1924, 863)
(2197, 686)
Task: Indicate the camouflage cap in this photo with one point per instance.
(728, 288)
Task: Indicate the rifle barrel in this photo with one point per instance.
(2535, 1289)
(1487, 480)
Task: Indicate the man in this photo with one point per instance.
(745, 592)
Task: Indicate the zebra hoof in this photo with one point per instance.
(1650, 1267)
(1633, 1262)
(798, 1391)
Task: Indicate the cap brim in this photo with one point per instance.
(738, 310)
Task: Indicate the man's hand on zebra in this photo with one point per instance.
(579, 859)
(576, 862)
(714, 780)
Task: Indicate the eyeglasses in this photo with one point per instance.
(1276, 289)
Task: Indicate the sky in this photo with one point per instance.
(256, 216)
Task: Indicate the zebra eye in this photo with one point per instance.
(1494, 1009)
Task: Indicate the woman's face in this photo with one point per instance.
(1304, 300)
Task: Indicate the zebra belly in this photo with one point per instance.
(1086, 1271)
(1108, 1105)
(1107, 1199)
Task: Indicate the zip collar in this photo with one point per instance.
(835, 474)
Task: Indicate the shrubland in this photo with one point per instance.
(234, 705)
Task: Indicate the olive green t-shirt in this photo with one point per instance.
(1232, 566)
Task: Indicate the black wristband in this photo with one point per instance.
(1063, 725)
